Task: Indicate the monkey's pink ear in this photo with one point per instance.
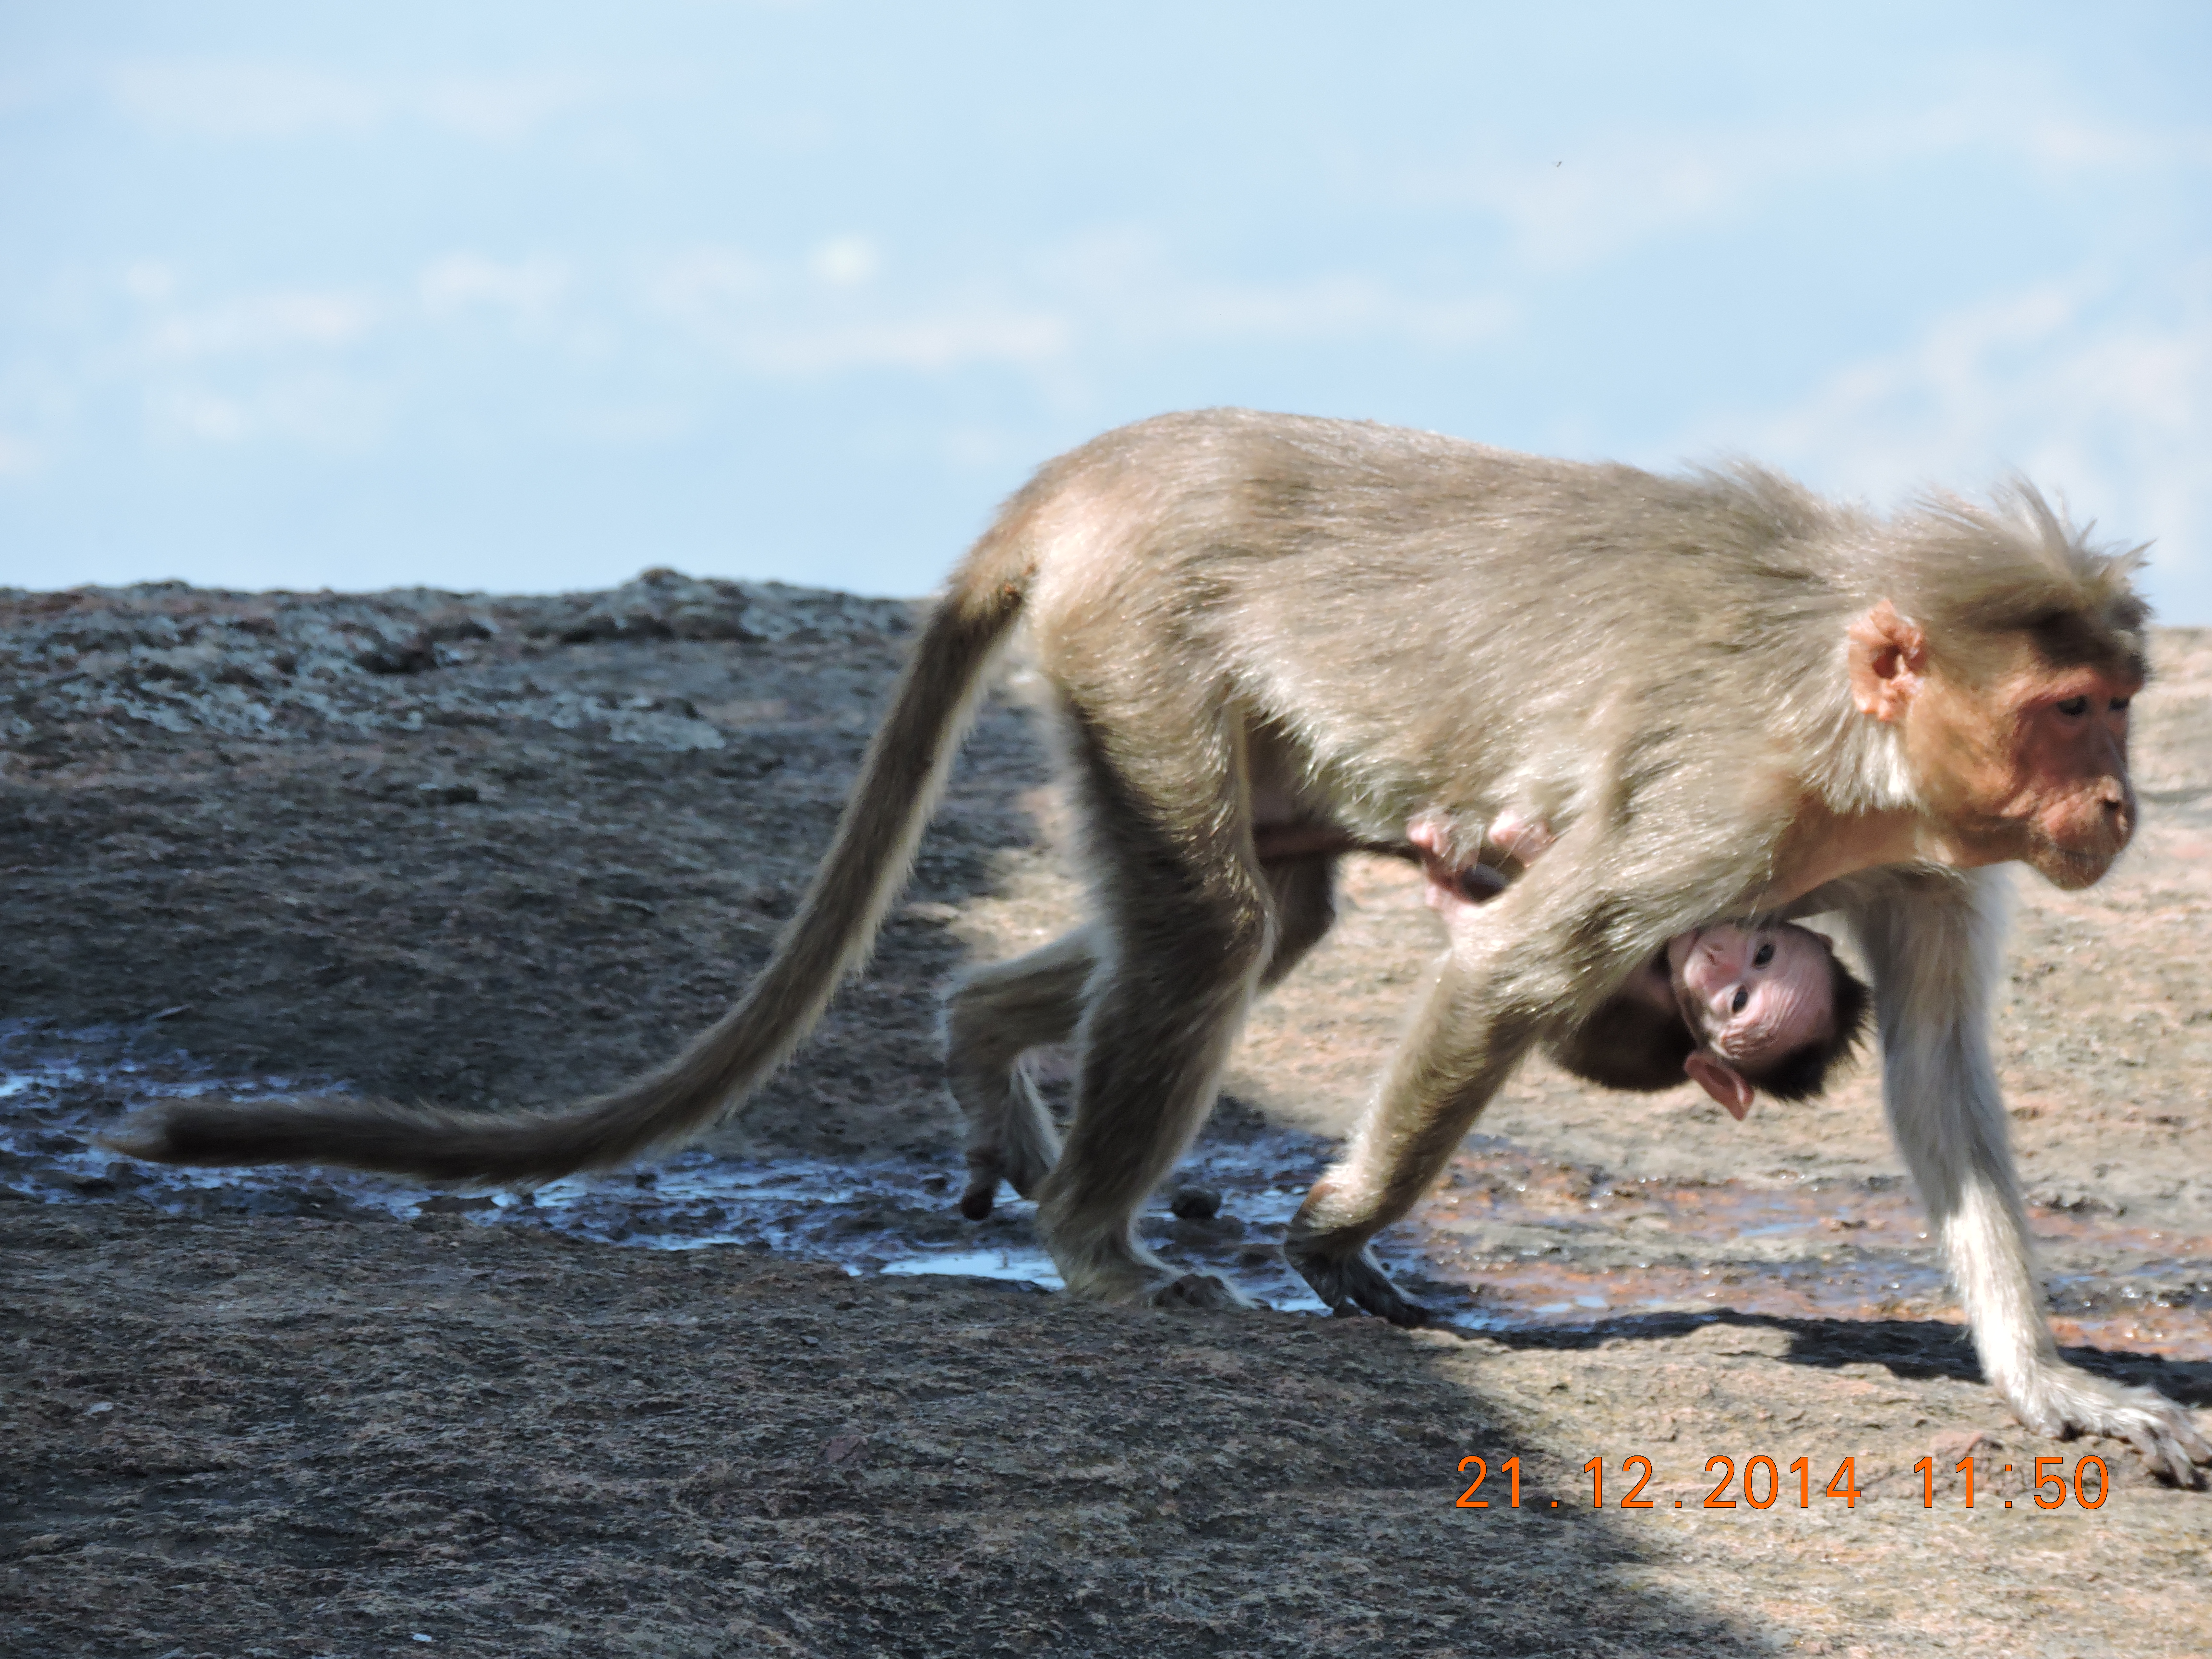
(1721, 1081)
(1888, 656)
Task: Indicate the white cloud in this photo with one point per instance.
(628, 425)
(193, 412)
(249, 99)
(281, 365)
(312, 411)
(222, 98)
(1330, 307)
(1109, 292)
(845, 261)
(947, 340)
(19, 456)
(2111, 407)
(1130, 285)
(1129, 289)
(149, 280)
(526, 289)
(263, 323)
(1563, 212)
(500, 109)
(768, 317)
(710, 290)
(978, 448)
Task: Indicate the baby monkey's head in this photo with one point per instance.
(1771, 1007)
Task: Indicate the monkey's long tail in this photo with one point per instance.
(900, 780)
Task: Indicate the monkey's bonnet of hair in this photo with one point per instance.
(1968, 572)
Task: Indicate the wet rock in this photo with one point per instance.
(454, 1204)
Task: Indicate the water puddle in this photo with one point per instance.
(1508, 1242)
(60, 1090)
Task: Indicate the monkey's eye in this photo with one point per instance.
(1742, 1000)
(1764, 955)
(2073, 707)
(2119, 705)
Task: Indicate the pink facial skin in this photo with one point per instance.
(1752, 992)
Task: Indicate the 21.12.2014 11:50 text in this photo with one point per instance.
(1763, 1483)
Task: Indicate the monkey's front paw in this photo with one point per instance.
(2163, 1433)
(1199, 1290)
(1351, 1283)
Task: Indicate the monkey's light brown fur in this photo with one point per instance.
(1728, 694)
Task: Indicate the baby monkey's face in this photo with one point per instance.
(1750, 993)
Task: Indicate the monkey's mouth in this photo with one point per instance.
(2070, 871)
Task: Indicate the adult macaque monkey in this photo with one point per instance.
(1734, 697)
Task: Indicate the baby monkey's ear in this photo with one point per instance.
(1721, 1081)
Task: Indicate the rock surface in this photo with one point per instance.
(497, 851)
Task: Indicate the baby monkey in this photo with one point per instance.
(1736, 1008)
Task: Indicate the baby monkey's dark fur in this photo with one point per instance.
(1629, 1045)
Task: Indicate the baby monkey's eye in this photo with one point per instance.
(2073, 705)
(1763, 956)
(1742, 1000)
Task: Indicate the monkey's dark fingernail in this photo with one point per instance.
(976, 1203)
(1480, 882)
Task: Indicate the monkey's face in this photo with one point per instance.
(1748, 992)
(2034, 769)
(1748, 995)
(2024, 760)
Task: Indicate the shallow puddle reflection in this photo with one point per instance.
(1510, 1240)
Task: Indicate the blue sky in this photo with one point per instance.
(528, 297)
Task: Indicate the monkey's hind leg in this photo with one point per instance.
(995, 1016)
(1186, 926)
(1303, 891)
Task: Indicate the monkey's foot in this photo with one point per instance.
(1015, 1143)
(1353, 1282)
(2062, 1401)
(1023, 1167)
(1124, 1273)
(982, 1193)
(1199, 1290)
